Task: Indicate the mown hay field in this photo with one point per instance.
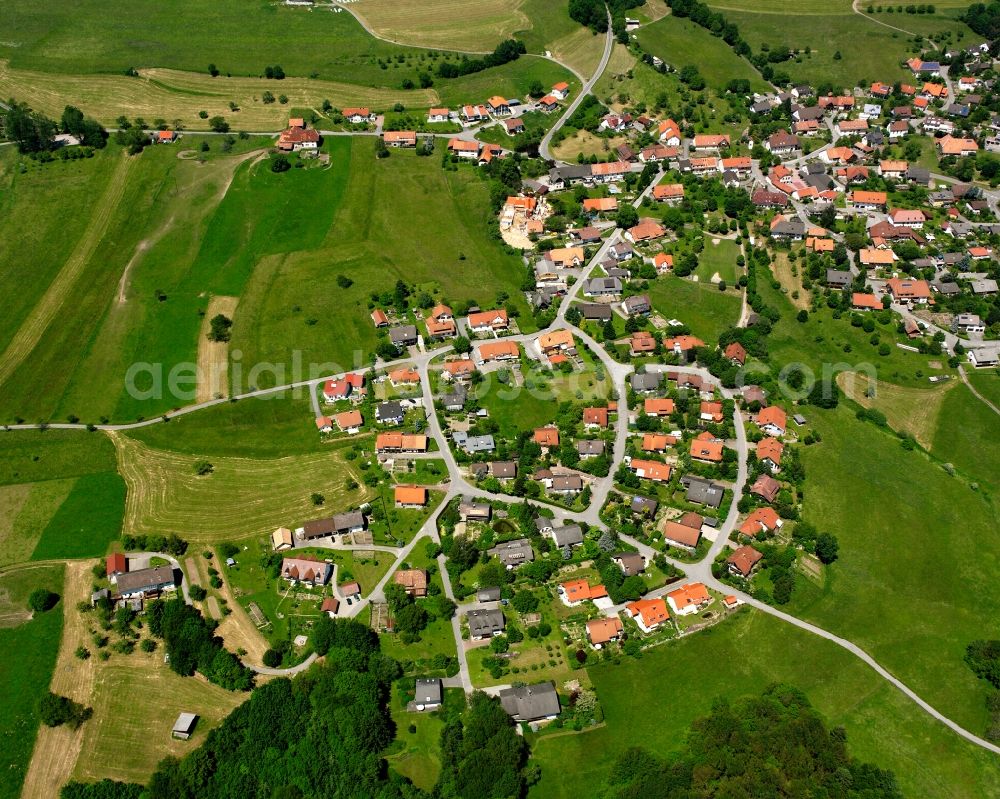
(241, 498)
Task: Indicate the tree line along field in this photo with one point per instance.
(60, 495)
(180, 231)
(651, 702)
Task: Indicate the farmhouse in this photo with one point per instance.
(313, 571)
(144, 582)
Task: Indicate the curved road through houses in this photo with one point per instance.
(588, 86)
(459, 486)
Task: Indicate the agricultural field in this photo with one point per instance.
(867, 50)
(119, 291)
(446, 24)
(749, 652)
(439, 240)
(240, 499)
(679, 42)
(61, 495)
(916, 411)
(268, 426)
(914, 581)
(701, 306)
(24, 679)
(122, 744)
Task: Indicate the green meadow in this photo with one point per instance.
(914, 583)
(652, 701)
(398, 218)
(699, 305)
(680, 42)
(61, 494)
(30, 646)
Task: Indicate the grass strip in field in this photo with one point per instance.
(34, 327)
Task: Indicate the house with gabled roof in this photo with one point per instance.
(648, 614)
(689, 599)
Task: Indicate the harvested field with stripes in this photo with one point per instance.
(241, 498)
(178, 97)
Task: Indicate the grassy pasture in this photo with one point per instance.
(964, 427)
(87, 521)
(914, 581)
(718, 259)
(242, 498)
(240, 38)
(60, 495)
(680, 42)
(869, 51)
(822, 343)
(25, 676)
(651, 703)
(126, 745)
(910, 410)
(140, 241)
(45, 211)
(701, 306)
(401, 217)
(263, 427)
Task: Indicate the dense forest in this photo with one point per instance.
(775, 745)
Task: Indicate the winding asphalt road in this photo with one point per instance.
(588, 86)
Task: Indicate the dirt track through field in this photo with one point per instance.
(213, 356)
(57, 748)
(34, 327)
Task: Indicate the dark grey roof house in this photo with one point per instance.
(531, 702)
(403, 336)
(428, 693)
(390, 412)
(485, 623)
(513, 553)
(146, 581)
(702, 491)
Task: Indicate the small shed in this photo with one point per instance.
(184, 726)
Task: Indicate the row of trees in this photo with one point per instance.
(505, 52)
(33, 132)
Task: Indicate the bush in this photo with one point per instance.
(198, 593)
(55, 710)
(41, 600)
(280, 164)
(272, 658)
(147, 645)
